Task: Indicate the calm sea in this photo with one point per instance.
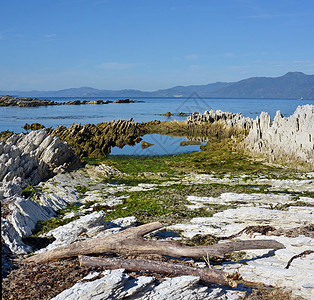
(13, 118)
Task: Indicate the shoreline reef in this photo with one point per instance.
(59, 186)
(34, 102)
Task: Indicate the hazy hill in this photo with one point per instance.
(293, 85)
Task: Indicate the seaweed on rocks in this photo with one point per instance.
(95, 141)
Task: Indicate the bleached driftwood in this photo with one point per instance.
(131, 241)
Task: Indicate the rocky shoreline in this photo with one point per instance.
(44, 185)
(33, 102)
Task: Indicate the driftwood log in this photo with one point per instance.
(131, 241)
(142, 265)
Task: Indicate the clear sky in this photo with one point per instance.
(151, 44)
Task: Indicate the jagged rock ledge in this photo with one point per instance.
(27, 159)
(283, 139)
(227, 118)
(289, 138)
(96, 140)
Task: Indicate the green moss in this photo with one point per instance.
(81, 189)
(52, 223)
(306, 194)
(130, 180)
(44, 226)
(218, 156)
(164, 205)
(29, 191)
(201, 240)
(167, 204)
(134, 165)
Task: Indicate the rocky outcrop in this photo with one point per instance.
(126, 101)
(92, 225)
(33, 102)
(292, 227)
(22, 219)
(217, 124)
(227, 118)
(115, 284)
(27, 159)
(24, 102)
(287, 138)
(96, 140)
(19, 215)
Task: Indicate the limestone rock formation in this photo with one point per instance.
(115, 284)
(227, 118)
(291, 137)
(22, 219)
(27, 159)
(292, 227)
(88, 226)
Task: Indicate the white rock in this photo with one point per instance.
(271, 137)
(104, 288)
(71, 232)
(26, 213)
(12, 239)
(33, 157)
(116, 285)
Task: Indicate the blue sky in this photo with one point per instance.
(149, 45)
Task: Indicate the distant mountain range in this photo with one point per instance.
(293, 85)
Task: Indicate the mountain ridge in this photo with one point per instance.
(292, 85)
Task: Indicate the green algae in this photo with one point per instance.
(5, 134)
(43, 226)
(218, 156)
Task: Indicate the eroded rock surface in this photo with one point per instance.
(20, 215)
(27, 159)
(24, 102)
(291, 137)
(257, 210)
(115, 284)
(88, 226)
(96, 140)
(227, 118)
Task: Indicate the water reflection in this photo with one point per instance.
(160, 145)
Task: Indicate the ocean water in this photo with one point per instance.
(13, 118)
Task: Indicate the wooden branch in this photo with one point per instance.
(304, 253)
(131, 241)
(141, 265)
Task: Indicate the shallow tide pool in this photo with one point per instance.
(161, 145)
